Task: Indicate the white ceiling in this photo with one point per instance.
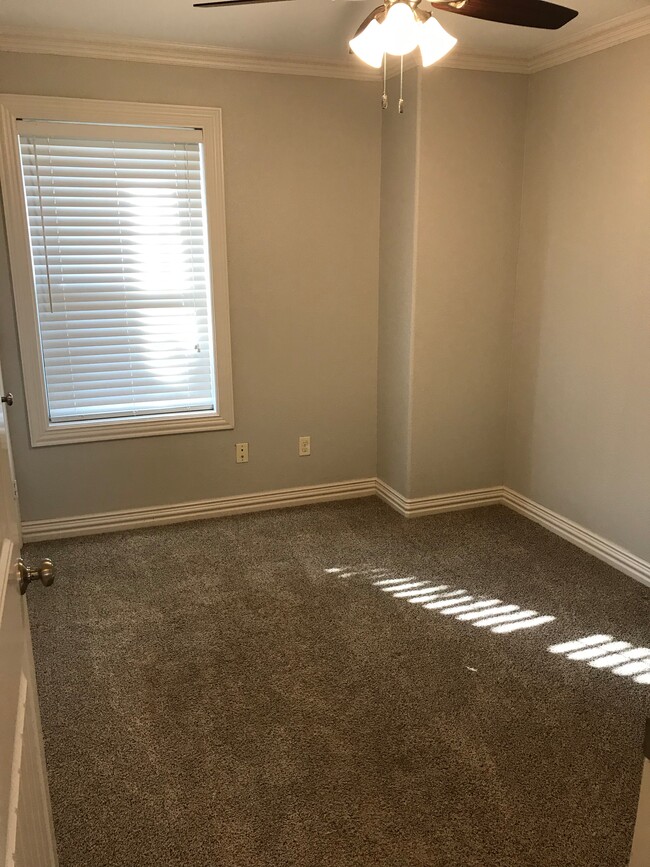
(318, 28)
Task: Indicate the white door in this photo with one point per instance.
(26, 832)
(641, 846)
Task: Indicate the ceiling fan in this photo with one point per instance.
(398, 27)
(523, 13)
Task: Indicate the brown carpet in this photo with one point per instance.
(213, 696)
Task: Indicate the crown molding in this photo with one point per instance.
(589, 41)
(75, 44)
(72, 44)
(597, 38)
(459, 59)
(485, 62)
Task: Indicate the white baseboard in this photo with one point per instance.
(605, 550)
(129, 519)
(415, 507)
(594, 544)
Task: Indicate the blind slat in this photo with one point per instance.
(117, 231)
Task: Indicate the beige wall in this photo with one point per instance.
(302, 159)
(450, 200)
(579, 422)
(396, 274)
(560, 412)
(469, 195)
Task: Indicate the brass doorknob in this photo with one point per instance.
(45, 572)
(7, 398)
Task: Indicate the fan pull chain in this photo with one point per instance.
(401, 84)
(384, 98)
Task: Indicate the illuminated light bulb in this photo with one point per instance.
(434, 41)
(369, 44)
(400, 30)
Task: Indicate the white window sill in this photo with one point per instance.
(85, 432)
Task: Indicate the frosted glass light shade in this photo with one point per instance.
(400, 30)
(399, 34)
(369, 44)
(434, 41)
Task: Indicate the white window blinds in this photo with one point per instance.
(117, 231)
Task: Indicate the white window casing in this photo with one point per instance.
(116, 230)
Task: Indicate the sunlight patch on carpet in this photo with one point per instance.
(602, 651)
(501, 618)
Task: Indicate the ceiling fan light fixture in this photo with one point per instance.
(400, 30)
(369, 44)
(434, 41)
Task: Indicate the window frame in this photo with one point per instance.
(43, 432)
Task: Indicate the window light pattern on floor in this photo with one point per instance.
(597, 651)
(480, 611)
(602, 651)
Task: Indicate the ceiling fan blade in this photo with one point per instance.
(523, 13)
(373, 14)
(216, 3)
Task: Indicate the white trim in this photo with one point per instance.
(98, 431)
(45, 817)
(459, 59)
(605, 550)
(74, 44)
(594, 544)
(597, 38)
(15, 774)
(106, 132)
(14, 107)
(418, 506)
(98, 47)
(8, 550)
(484, 62)
(154, 516)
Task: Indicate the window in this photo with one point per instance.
(126, 331)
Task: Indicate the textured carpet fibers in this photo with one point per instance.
(213, 696)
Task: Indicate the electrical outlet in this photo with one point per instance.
(304, 446)
(241, 451)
